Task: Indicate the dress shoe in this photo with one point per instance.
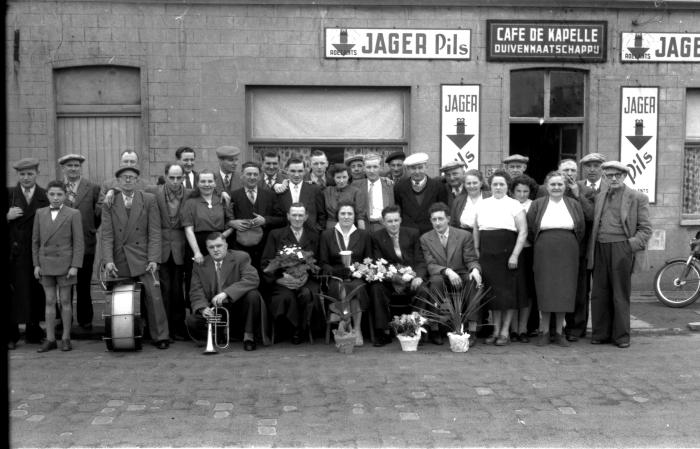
(436, 338)
(599, 342)
(162, 344)
(623, 345)
(66, 346)
(502, 340)
(490, 340)
(561, 341)
(249, 345)
(571, 337)
(472, 340)
(523, 338)
(47, 346)
(543, 339)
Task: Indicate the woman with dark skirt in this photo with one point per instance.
(557, 226)
(500, 231)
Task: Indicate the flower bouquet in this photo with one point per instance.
(408, 329)
(402, 278)
(373, 270)
(294, 261)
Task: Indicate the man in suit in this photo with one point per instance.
(318, 174)
(621, 228)
(226, 179)
(128, 158)
(375, 193)
(396, 171)
(356, 165)
(27, 296)
(83, 195)
(273, 178)
(290, 297)
(256, 212)
(225, 279)
(186, 156)
(515, 165)
(455, 174)
(309, 194)
(57, 254)
(170, 197)
(398, 245)
(416, 193)
(131, 246)
(591, 165)
(451, 258)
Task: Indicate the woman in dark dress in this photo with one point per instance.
(464, 207)
(346, 236)
(556, 227)
(342, 191)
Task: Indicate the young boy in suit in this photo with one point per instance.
(57, 254)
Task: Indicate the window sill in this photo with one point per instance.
(690, 221)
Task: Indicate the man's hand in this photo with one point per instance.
(152, 267)
(513, 262)
(208, 312)
(37, 273)
(292, 283)
(111, 269)
(14, 213)
(454, 278)
(475, 276)
(72, 272)
(259, 220)
(109, 198)
(219, 299)
(574, 188)
(281, 187)
(226, 198)
(198, 258)
(240, 225)
(416, 283)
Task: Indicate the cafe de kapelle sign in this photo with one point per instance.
(389, 43)
(660, 47)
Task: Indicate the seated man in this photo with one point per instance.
(451, 258)
(399, 246)
(291, 297)
(225, 279)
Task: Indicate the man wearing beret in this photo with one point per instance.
(356, 164)
(131, 246)
(395, 162)
(455, 174)
(27, 295)
(621, 228)
(226, 179)
(415, 194)
(83, 195)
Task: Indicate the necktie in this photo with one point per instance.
(127, 201)
(371, 199)
(297, 235)
(188, 183)
(70, 190)
(28, 195)
(217, 269)
(270, 181)
(397, 247)
(251, 195)
(443, 240)
(227, 181)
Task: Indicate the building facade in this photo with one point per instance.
(476, 80)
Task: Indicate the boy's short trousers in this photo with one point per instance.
(61, 281)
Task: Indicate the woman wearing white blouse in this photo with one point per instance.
(556, 227)
(500, 232)
(464, 207)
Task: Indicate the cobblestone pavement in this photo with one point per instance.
(309, 395)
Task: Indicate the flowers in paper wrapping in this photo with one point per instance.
(408, 325)
(381, 270)
(294, 261)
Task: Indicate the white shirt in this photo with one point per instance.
(295, 191)
(54, 213)
(556, 216)
(223, 177)
(420, 185)
(493, 214)
(594, 185)
(377, 201)
(189, 175)
(29, 195)
(346, 237)
(469, 211)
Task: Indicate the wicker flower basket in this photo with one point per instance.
(409, 344)
(346, 343)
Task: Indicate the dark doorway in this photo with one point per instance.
(545, 145)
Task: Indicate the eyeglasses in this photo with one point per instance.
(614, 175)
(128, 177)
(175, 178)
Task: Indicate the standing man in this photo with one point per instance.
(398, 245)
(27, 296)
(131, 246)
(621, 228)
(356, 165)
(417, 193)
(515, 165)
(272, 175)
(128, 158)
(318, 175)
(395, 162)
(226, 179)
(309, 194)
(591, 165)
(83, 195)
(375, 193)
(186, 156)
(455, 175)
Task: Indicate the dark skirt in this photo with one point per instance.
(526, 279)
(556, 270)
(495, 249)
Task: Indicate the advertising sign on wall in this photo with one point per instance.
(660, 47)
(390, 43)
(639, 125)
(459, 123)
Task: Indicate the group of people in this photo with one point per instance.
(201, 240)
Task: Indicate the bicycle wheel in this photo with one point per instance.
(677, 284)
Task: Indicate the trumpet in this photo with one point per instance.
(217, 320)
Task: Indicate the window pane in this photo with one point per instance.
(566, 94)
(691, 180)
(692, 116)
(527, 93)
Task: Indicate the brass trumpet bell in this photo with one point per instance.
(217, 339)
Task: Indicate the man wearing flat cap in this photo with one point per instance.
(455, 175)
(415, 194)
(128, 158)
(621, 228)
(515, 165)
(27, 295)
(131, 246)
(395, 163)
(227, 180)
(591, 165)
(356, 165)
(83, 195)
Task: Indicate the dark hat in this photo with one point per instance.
(355, 158)
(26, 163)
(516, 158)
(121, 170)
(395, 155)
(617, 165)
(451, 165)
(71, 157)
(227, 151)
(592, 157)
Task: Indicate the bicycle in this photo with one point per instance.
(677, 283)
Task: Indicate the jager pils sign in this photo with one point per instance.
(639, 126)
(459, 124)
(660, 47)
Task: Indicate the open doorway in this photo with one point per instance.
(545, 145)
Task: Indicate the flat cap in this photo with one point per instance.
(395, 155)
(617, 165)
(71, 157)
(355, 158)
(451, 165)
(26, 163)
(121, 170)
(516, 158)
(227, 151)
(415, 159)
(592, 157)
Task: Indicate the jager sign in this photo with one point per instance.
(660, 47)
(639, 125)
(459, 121)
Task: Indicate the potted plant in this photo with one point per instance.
(344, 336)
(451, 307)
(408, 329)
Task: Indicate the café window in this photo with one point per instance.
(547, 112)
(691, 159)
(341, 121)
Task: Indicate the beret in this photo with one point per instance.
(71, 157)
(357, 157)
(121, 170)
(516, 158)
(26, 163)
(415, 159)
(451, 165)
(592, 157)
(227, 151)
(395, 155)
(617, 165)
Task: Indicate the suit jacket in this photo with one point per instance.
(363, 197)
(281, 237)
(411, 251)
(57, 244)
(415, 215)
(237, 274)
(235, 183)
(87, 201)
(312, 197)
(329, 180)
(451, 199)
(278, 178)
(113, 184)
(172, 235)
(329, 250)
(131, 241)
(20, 229)
(634, 213)
(459, 254)
(266, 204)
(457, 208)
(538, 208)
(196, 178)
